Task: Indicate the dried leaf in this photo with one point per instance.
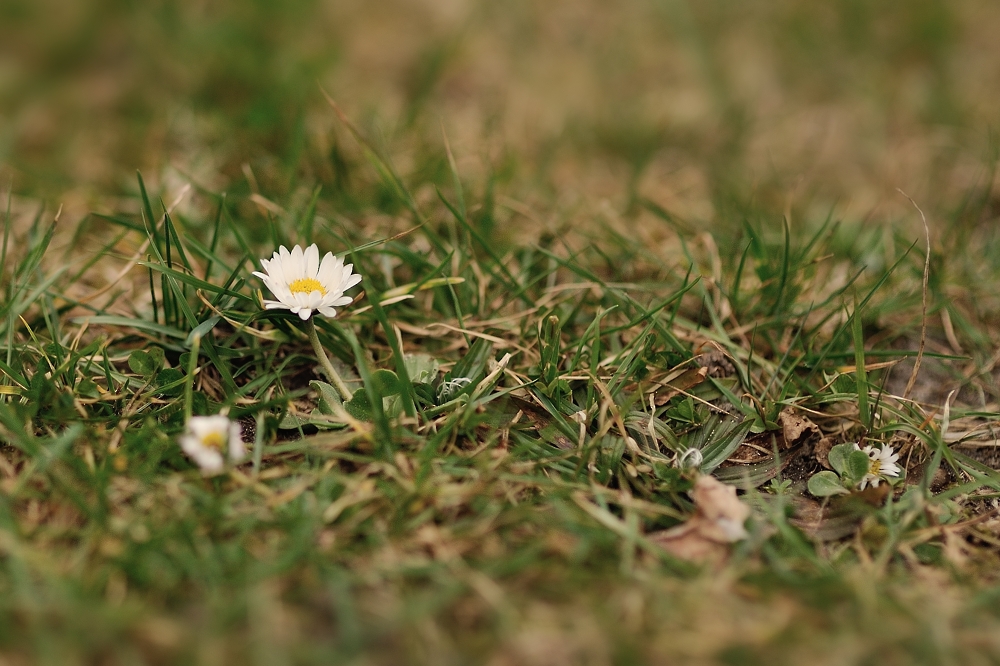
(824, 521)
(717, 522)
(837, 517)
(875, 495)
(796, 429)
(822, 451)
(725, 513)
(716, 363)
(955, 548)
(686, 542)
(687, 380)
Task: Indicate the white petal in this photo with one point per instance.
(327, 269)
(345, 275)
(277, 272)
(189, 443)
(200, 426)
(237, 450)
(269, 283)
(327, 311)
(291, 266)
(209, 460)
(351, 281)
(311, 260)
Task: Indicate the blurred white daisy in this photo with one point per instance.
(209, 439)
(881, 464)
(301, 283)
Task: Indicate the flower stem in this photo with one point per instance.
(324, 361)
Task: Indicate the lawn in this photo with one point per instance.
(675, 337)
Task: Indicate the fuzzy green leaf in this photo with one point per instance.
(826, 484)
(359, 406)
(838, 457)
(386, 383)
(858, 465)
(329, 399)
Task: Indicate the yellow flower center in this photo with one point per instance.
(214, 440)
(306, 286)
(875, 467)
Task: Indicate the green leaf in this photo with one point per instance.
(359, 406)
(838, 457)
(826, 484)
(858, 464)
(156, 353)
(294, 421)
(170, 382)
(387, 386)
(720, 440)
(422, 368)
(199, 404)
(425, 393)
(88, 388)
(138, 324)
(474, 362)
(860, 377)
(386, 383)
(316, 419)
(329, 399)
(748, 476)
(202, 329)
(143, 364)
(325, 415)
(181, 276)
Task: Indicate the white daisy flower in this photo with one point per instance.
(882, 464)
(302, 284)
(207, 440)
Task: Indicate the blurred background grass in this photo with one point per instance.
(584, 112)
(699, 107)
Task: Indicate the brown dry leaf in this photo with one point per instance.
(717, 522)
(796, 428)
(822, 451)
(875, 495)
(795, 431)
(716, 362)
(687, 380)
(824, 521)
(955, 548)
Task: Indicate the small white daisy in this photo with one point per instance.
(208, 438)
(882, 464)
(302, 284)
